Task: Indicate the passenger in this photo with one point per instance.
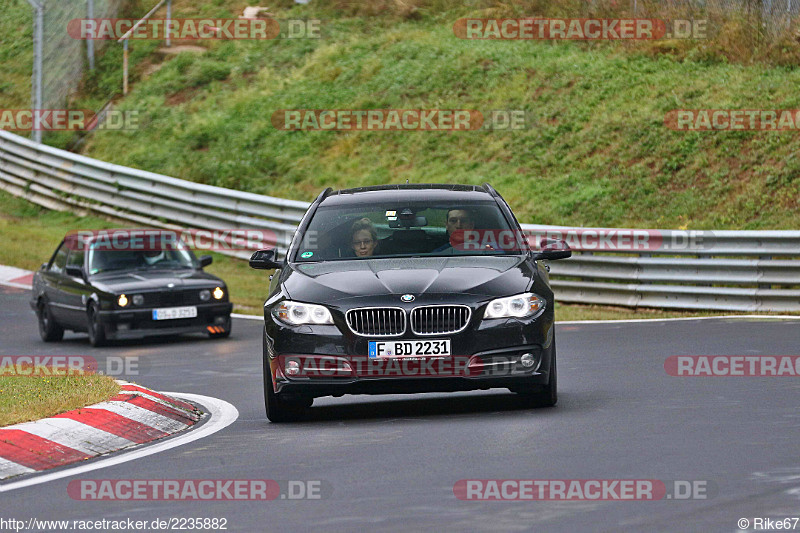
(364, 238)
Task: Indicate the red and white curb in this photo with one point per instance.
(134, 416)
(16, 277)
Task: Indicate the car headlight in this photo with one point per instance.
(138, 299)
(295, 313)
(122, 300)
(218, 293)
(205, 295)
(518, 306)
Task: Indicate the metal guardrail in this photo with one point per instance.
(724, 270)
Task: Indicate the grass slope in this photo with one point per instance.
(596, 152)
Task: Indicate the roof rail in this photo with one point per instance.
(491, 190)
(324, 194)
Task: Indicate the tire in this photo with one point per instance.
(49, 330)
(225, 334)
(279, 409)
(543, 395)
(97, 332)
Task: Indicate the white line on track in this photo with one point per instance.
(725, 317)
(17, 285)
(223, 414)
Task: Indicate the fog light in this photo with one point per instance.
(138, 299)
(123, 327)
(527, 360)
(292, 368)
(219, 320)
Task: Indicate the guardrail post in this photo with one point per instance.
(90, 42)
(764, 285)
(125, 68)
(169, 18)
(36, 90)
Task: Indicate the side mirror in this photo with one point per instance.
(43, 267)
(552, 249)
(206, 260)
(265, 260)
(74, 272)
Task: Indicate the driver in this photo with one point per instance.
(152, 257)
(458, 220)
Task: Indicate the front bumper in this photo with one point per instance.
(138, 323)
(486, 355)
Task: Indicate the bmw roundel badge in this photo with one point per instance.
(407, 297)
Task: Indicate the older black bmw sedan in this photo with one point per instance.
(128, 291)
(404, 289)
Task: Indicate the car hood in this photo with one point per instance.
(338, 280)
(149, 280)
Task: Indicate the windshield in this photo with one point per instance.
(178, 256)
(412, 229)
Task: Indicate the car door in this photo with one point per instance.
(51, 277)
(74, 291)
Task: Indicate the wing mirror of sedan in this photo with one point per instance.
(74, 272)
(552, 249)
(265, 260)
(206, 260)
(43, 267)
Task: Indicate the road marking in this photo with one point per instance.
(726, 317)
(222, 413)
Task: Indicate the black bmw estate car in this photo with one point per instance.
(126, 291)
(405, 289)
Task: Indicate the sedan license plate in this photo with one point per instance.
(431, 348)
(169, 313)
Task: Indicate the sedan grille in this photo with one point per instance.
(440, 319)
(377, 321)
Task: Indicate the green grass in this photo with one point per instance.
(596, 152)
(16, 54)
(26, 398)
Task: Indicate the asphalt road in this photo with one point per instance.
(390, 462)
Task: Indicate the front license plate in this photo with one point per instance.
(169, 313)
(431, 348)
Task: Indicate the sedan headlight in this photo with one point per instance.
(295, 313)
(218, 293)
(519, 306)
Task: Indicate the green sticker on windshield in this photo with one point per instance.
(306, 255)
